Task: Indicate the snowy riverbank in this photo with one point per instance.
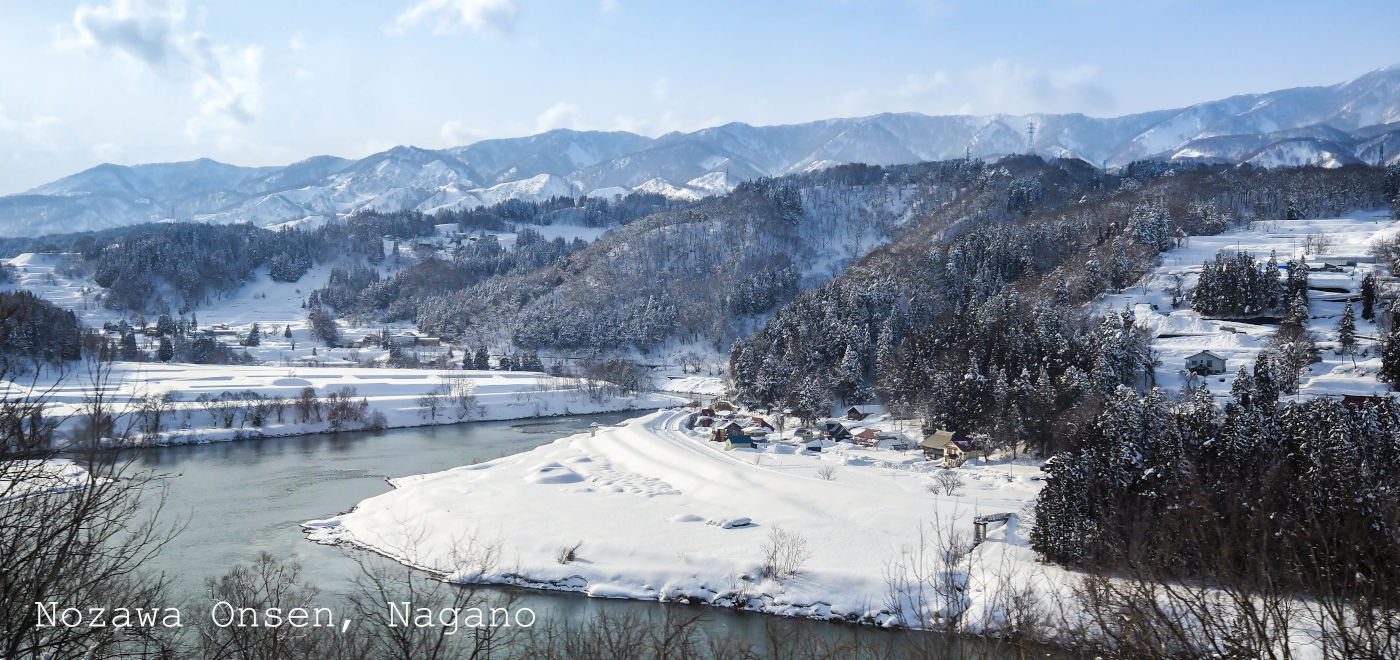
(654, 509)
(199, 404)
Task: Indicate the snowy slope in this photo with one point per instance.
(1182, 332)
(1329, 126)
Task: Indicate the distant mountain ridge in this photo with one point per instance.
(1331, 126)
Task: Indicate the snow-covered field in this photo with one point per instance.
(396, 393)
(652, 506)
(1181, 332)
(25, 478)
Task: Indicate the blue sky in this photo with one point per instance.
(253, 82)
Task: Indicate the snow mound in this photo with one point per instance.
(553, 473)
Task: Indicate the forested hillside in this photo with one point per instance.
(976, 329)
(179, 267)
(707, 272)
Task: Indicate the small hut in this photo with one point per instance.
(738, 441)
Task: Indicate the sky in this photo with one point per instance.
(265, 83)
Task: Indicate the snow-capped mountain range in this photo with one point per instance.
(1356, 121)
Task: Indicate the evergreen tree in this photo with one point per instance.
(1296, 316)
(166, 352)
(129, 352)
(1062, 295)
(287, 331)
(1346, 332)
(1390, 351)
(482, 360)
(1094, 279)
(1368, 297)
(254, 337)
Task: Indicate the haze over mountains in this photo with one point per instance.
(1356, 121)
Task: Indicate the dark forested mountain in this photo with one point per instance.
(970, 319)
(1351, 122)
(706, 272)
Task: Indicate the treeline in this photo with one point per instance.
(1237, 286)
(1306, 494)
(936, 321)
(34, 331)
(359, 290)
(586, 211)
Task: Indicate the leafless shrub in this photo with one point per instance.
(434, 401)
(784, 554)
(947, 481)
(461, 394)
(567, 554)
(926, 583)
(342, 408)
(827, 473)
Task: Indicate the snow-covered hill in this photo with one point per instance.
(1181, 332)
(1356, 121)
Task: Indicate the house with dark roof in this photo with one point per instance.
(1206, 363)
(834, 430)
(738, 442)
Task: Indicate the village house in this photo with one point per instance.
(834, 430)
(951, 448)
(854, 414)
(760, 422)
(738, 441)
(1206, 363)
(723, 432)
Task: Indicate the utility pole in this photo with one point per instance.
(1030, 136)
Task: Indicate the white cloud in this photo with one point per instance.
(227, 88)
(143, 29)
(109, 152)
(559, 115)
(609, 6)
(661, 89)
(34, 131)
(457, 133)
(492, 17)
(999, 86)
(226, 84)
(1027, 89)
(298, 41)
